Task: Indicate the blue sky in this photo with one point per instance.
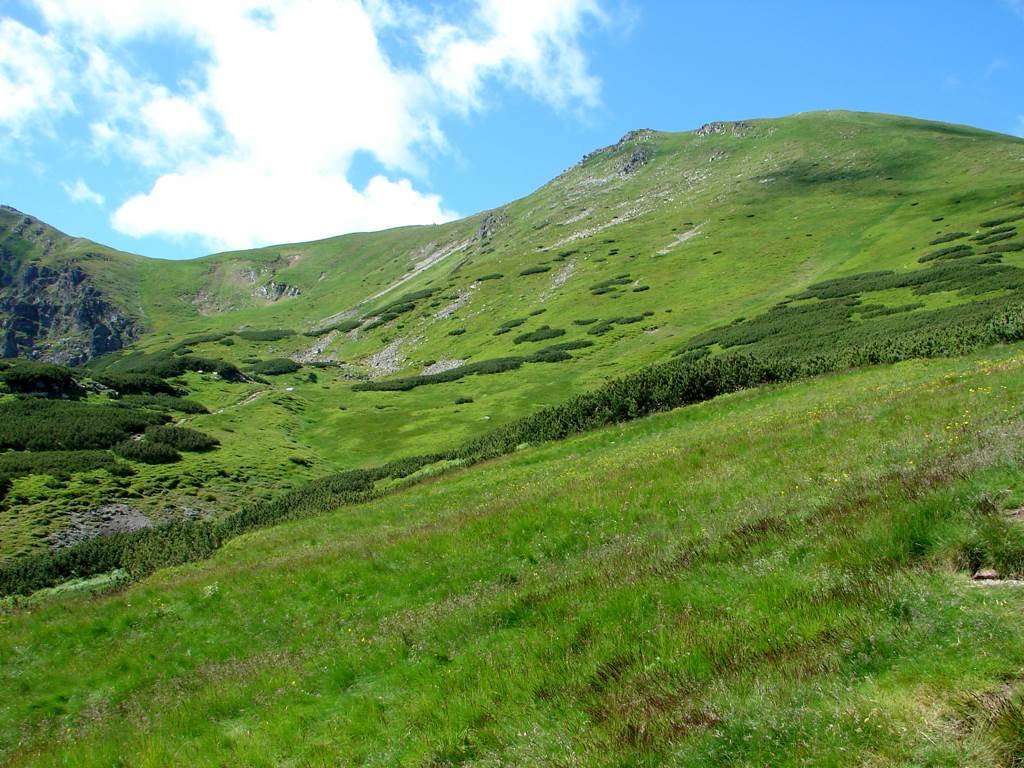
(174, 128)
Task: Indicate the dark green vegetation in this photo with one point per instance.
(59, 425)
(735, 524)
(147, 452)
(38, 378)
(276, 366)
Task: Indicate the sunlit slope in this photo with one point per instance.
(627, 257)
(669, 234)
(705, 587)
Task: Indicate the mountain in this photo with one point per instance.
(416, 339)
(708, 452)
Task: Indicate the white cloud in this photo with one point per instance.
(33, 76)
(254, 144)
(80, 192)
(532, 43)
(234, 204)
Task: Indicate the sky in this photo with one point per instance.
(177, 128)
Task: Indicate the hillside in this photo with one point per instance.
(777, 577)
(411, 341)
(708, 452)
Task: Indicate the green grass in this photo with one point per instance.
(773, 577)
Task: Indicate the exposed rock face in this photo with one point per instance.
(715, 128)
(273, 291)
(56, 314)
(637, 159)
(492, 222)
(638, 135)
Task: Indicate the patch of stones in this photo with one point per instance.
(99, 521)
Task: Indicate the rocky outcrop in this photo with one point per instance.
(274, 290)
(631, 137)
(56, 314)
(492, 222)
(636, 160)
(739, 128)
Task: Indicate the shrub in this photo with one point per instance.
(948, 237)
(27, 377)
(341, 325)
(54, 425)
(463, 400)
(166, 364)
(169, 402)
(203, 338)
(147, 452)
(181, 438)
(1005, 247)
(535, 270)
(542, 333)
(508, 325)
(491, 276)
(1004, 220)
(136, 383)
(494, 365)
(276, 366)
(607, 285)
(456, 331)
(271, 334)
(953, 252)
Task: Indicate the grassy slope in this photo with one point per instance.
(786, 203)
(772, 577)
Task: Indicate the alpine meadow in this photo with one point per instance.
(710, 451)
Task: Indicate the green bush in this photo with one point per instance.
(166, 364)
(535, 270)
(508, 325)
(270, 334)
(953, 252)
(203, 338)
(181, 438)
(169, 402)
(1004, 220)
(606, 286)
(949, 237)
(136, 383)
(34, 424)
(494, 365)
(456, 331)
(146, 452)
(276, 366)
(491, 276)
(341, 325)
(541, 334)
(28, 377)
